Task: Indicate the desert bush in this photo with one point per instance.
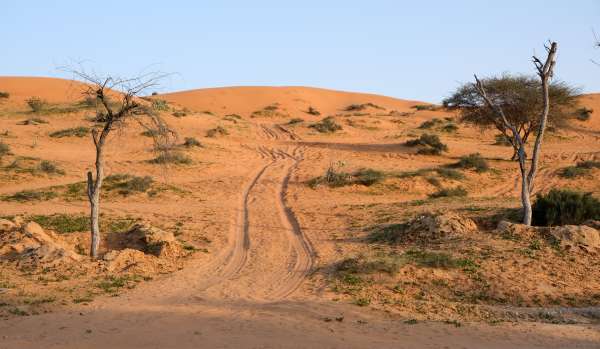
(584, 114)
(335, 178)
(581, 169)
(450, 128)
(36, 103)
(160, 105)
(81, 131)
(4, 149)
(126, 184)
(430, 123)
(191, 142)
(4, 94)
(473, 161)
(360, 107)
(217, 131)
(430, 144)
(589, 164)
(327, 125)
(50, 168)
(561, 207)
(171, 158)
(421, 107)
(450, 192)
(295, 121)
(63, 223)
(313, 111)
(368, 176)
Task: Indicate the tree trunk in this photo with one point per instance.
(525, 201)
(94, 198)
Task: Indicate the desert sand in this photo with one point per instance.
(267, 243)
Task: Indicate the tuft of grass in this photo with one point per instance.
(589, 164)
(63, 223)
(126, 184)
(335, 178)
(421, 107)
(312, 111)
(4, 94)
(81, 131)
(571, 172)
(584, 114)
(473, 161)
(389, 264)
(190, 142)
(368, 176)
(160, 105)
(450, 192)
(430, 123)
(171, 158)
(450, 128)
(217, 131)
(4, 149)
(327, 125)
(360, 107)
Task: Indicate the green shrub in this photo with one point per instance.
(420, 107)
(4, 94)
(50, 168)
(450, 128)
(217, 131)
(584, 114)
(430, 145)
(589, 164)
(473, 161)
(63, 223)
(450, 192)
(360, 107)
(573, 172)
(430, 123)
(327, 125)
(334, 178)
(126, 184)
(71, 132)
(561, 207)
(36, 103)
(172, 158)
(190, 142)
(313, 111)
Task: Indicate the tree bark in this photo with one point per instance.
(94, 187)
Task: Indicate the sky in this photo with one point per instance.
(418, 50)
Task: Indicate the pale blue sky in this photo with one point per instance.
(418, 49)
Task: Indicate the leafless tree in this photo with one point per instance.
(119, 101)
(545, 71)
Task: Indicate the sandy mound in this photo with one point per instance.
(152, 240)
(427, 227)
(49, 89)
(574, 238)
(29, 244)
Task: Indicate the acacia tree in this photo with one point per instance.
(521, 100)
(545, 71)
(119, 102)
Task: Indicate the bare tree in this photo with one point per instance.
(545, 71)
(119, 102)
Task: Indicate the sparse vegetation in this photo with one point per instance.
(429, 145)
(473, 161)
(171, 157)
(30, 195)
(50, 168)
(312, 111)
(4, 149)
(160, 105)
(449, 173)
(450, 192)
(360, 107)
(217, 131)
(4, 95)
(335, 178)
(421, 107)
(502, 140)
(584, 114)
(295, 121)
(581, 169)
(327, 125)
(449, 128)
(179, 113)
(430, 123)
(36, 104)
(81, 131)
(191, 142)
(126, 184)
(561, 207)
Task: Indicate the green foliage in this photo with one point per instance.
(430, 123)
(63, 223)
(81, 131)
(421, 107)
(584, 114)
(581, 169)
(429, 145)
(327, 125)
(217, 131)
(36, 104)
(450, 128)
(561, 207)
(126, 184)
(473, 161)
(190, 142)
(450, 192)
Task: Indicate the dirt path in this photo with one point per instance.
(249, 295)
